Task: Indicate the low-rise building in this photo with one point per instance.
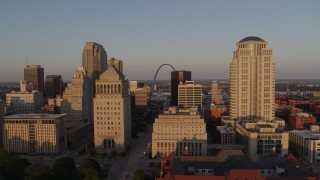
(25, 102)
(260, 137)
(34, 133)
(305, 144)
(301, 120)
(175, 130)
(226, 135)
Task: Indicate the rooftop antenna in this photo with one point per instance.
(26, 61)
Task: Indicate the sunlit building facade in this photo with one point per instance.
(252, 80)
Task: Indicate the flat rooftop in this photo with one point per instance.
(34, 116)
(308, 134)
(264, 126)
(223, 129)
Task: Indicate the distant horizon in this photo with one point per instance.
(277, 80)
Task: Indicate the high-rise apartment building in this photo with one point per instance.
(35, 74)
(34, 133)
(178, 77)
(189, 95)
(216, 96)
(53, 86)
(112, 112)
(117, 64)
(94, 59)
(252, 80)
(25, 102)
(176, 130)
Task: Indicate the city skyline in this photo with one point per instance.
(191, 36)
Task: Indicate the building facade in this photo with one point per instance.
(26, 86)
(305, 144)
(94, 59)
(25, 102)
(261, 137)
(252, 80)
(112, 112)
(53, 86)
(77, 104)
(34, 133)
(189, 95)
(216, 96)
(133, 85)
(35, 74)
(117, 64)
(77, 101)
(175, 130)
(226, 135)
(301, 120)
(142, 97)
(178, 77)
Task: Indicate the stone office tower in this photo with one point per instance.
(77, 98)
(112, 112)
(35, 74)
(252, 80)
(94, 59)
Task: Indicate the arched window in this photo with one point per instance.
(119, 88)
(111, 88)
(108, 88)
(104, 89)
(98, 89)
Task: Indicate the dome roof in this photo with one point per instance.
(251, 38)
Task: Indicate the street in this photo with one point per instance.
(125, 167)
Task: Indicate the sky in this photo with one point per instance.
(199, 36)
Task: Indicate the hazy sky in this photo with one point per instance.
(199, 36)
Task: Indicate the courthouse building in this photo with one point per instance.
(176, 130)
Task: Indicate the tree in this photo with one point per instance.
(138, 175)
(11, 165)
(64, 169)
(90, 169)
(38, 172)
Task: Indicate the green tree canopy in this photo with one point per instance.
(64, 169)
(38, 172)
(11, 165)
(90, 169)
(138, 175)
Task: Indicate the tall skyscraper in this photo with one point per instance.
(77, 104)
(177, 77)
(117, 64)
(35, 74)
(94, 59)
(252, 80)
(216, 96)
(53, 86)
(112, 112)
(77, 98)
